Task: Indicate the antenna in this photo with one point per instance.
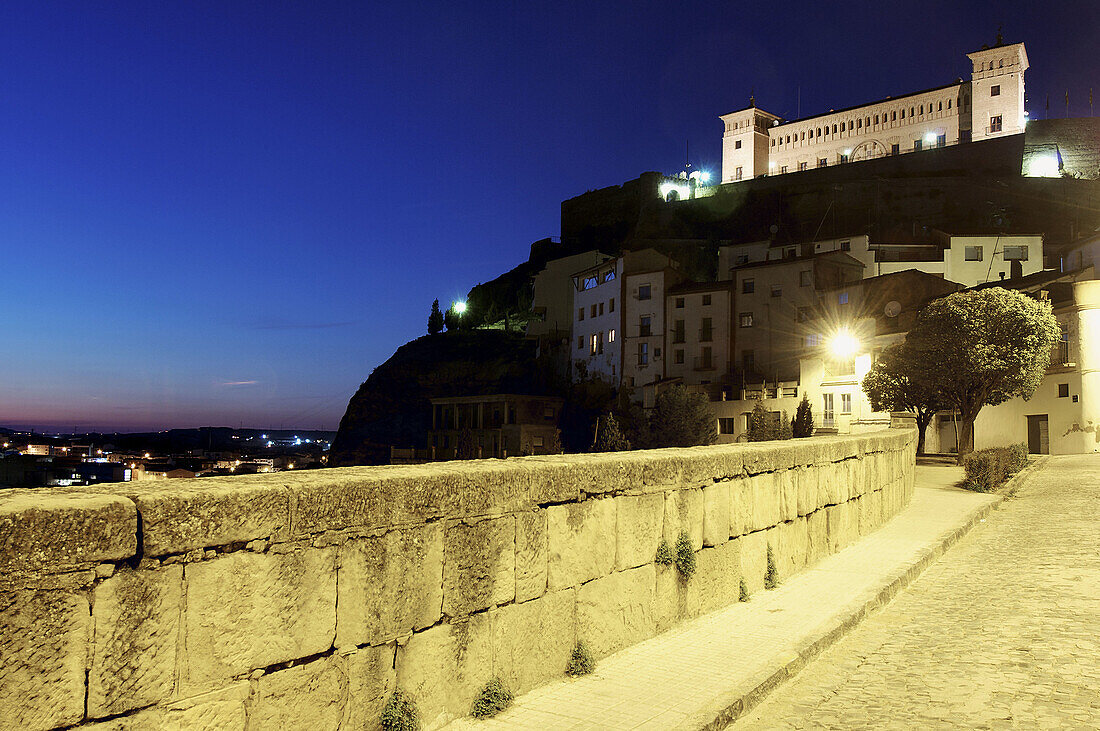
(687, 155)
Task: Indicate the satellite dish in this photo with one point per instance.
(774, 228)
(893, 307)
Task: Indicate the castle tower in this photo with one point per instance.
(997, 90)
(745, 143)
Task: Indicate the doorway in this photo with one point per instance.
(1038, 435)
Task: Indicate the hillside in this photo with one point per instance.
(392, 407)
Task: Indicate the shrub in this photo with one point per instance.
(803, 425)
(771, 578)
(986, 469)
(744, 596)
(1018, 456)
(685, 555)
(493, 699)
(581, 663)
(400, 713)
(665, 554)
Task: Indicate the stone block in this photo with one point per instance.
(662, 469)
(559, 478)
(581, 542)
(42, 529)
(817, 535)
(618, 610)
(670, 602)
(770, 456)
(716, 514)
(754, 559)
(150, 718)
(806, 485)
(765, 501)
(684, 512)
(870, 512)
(788, 494)
(390, 585)
(183, 515)
(703, 466)
(479, 565)
(222, 709)
(44, 639)
(533, 641)
(349, 497)
(531, 555)
(310, 696)
(740, 506)
(638, 520)
(249, 610)
(371, 681)
(841, 530)
(137, 621)
(444, 668)
(791, 548)
(835, 483)
(717, 579)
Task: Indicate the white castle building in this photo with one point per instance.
(991, 104)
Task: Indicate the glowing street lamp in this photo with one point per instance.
(844, 345)
(459, 307)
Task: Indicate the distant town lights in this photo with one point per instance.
(844, 344)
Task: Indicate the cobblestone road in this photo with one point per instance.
(1002, 632)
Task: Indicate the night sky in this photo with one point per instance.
(223, 213)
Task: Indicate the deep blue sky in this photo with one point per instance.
(223, 213)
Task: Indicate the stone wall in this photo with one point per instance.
(301, 600)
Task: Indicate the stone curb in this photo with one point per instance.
(726, 710)
(1014, 483)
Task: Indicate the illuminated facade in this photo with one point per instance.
(990, 104)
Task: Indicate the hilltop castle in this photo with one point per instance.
(991, 104)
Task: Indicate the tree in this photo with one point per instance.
(759, 431)
(609, 438)
(899, 382)
(435, 320)
(682, 418)
(982, 347)
(803, 425)
(783, 428)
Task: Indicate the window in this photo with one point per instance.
(537, 441)
(737, 145)
(895, 149)
(777, 290)
(834, 129)
(594, 344)
(972, 253)
(805, 314)
(706, 300)
(876, 119)
(609, 275)
(727, 424)
(805, 278)
(593, 310)
(783, 169)
(827, 417)
(939, 107)
(1063, 348)
(920, 109)
(644, 326)
(845, 403)
(813, 340)
(1063, 390)
(611, 305)
(843, 157)
(948, 103)
(589, 282)
(643, 354)
(678, 356)
(580, 342)
(917, 145)
(748, 286)
(1016, 253)
(842, 298)
(802, 166)
(706, 332)
(995, 90)
(748, 360)
(643, 292)
(822, 162)
(859, 124)
(995, 124)
(601, 308)
(941, 140)
(741, 259)
(548, 412)
(611, 335)
(737, 173)
(706, 359)
(746, 319)
(845, 245)
(679, 303)
(580, 314)
(894, 116)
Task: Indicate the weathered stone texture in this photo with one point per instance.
(684, 512)
(638, 529)
(371, 680)
(670, 599)
(479, 565)
(390, 585)
(792, 546)
(716, 513)
(310, 696)
(531, 555)
(806, 481)
(249, 610)
(182, 515)
(754, 558)
(44, 639)
(617, 610)
(717, 579)
(136, 616)
(48, 530)
(444, 668)
(765, 502)
(335, 499)
(582, 542)
(532, 642)
(222, 709)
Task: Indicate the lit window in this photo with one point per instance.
(972, 253)
(589, 282)
(813, 340)
(802, 166)
(609, 275)
(611, 335)
(746, 319)
(595, 344)
(842, 298)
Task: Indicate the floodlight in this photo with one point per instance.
(844, 344)
(459, 307)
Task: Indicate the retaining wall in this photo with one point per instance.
(301, 600)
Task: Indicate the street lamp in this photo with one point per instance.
(459, 307)
(844, 345)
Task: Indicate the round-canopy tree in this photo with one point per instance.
(899, 382)
(982, 347)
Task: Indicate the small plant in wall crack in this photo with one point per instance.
(581, 663)
(493, 699)
(771, 578)
(744, 596)
(685, 556)
(665, 554)
(400, 713)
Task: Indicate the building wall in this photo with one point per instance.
(1002, 67)
(636, 373)
(608, 294)
(553, 293)
(993, 264)
(302, 600)
(685, 358)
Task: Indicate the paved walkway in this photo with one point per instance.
(704, 672)
(1002, 632)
